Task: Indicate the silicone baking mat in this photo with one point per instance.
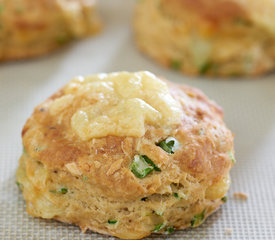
(249, 106)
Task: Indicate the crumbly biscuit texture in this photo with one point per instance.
(172, 176)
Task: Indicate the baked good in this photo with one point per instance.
(34, 27)
(126, 154)
(219, 38)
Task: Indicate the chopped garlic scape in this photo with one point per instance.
(176, 195)
(224, 199)
(176, 145)
(169, 145)
(140, 167)
(151, 163)
(169, 230)
(159, 227)
(200, 49)
(232, 157)
(63, 190)
(197, 219)
(176, 65)
(206, 67)
(159, 212)
(112, 221)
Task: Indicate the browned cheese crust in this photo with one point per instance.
(29, 28)
(217, 38)
(97, 175)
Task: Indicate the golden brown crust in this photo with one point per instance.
(202, 155)
(31, 28)
(97, 171)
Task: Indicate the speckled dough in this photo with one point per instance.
(90, 183)
(29, 28)
(218, 38)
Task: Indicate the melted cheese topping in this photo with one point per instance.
(125, 103)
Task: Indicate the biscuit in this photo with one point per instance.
(126, 154)
(202, 37)
(30, 28)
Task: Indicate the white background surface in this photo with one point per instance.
(249, 106)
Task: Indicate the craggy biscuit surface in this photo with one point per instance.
(30, 28)
(171, 173)
(218, 38)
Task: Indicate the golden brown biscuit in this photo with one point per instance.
(30, 28)
(126, 154)
(219, 38)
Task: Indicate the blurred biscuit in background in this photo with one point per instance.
(35, 27)
(218, 38)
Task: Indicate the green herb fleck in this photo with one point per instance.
(52, 191)
(206, 67)
(176, 195)
(19, 185)
(176, 65)
(19, 9)
(38, 149)
(112, 221)
(224, 199)
(235, 74)
(169, 230)
(63, 190)
(1, 7)
(232, 157)
(142, 166)
(168, 145)
(62, 39)
(144, 199)
(85, 178)
(159, 213)
(159, 227)
(197, 219)
(201, 131)
(242, 21)
(24, 150)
